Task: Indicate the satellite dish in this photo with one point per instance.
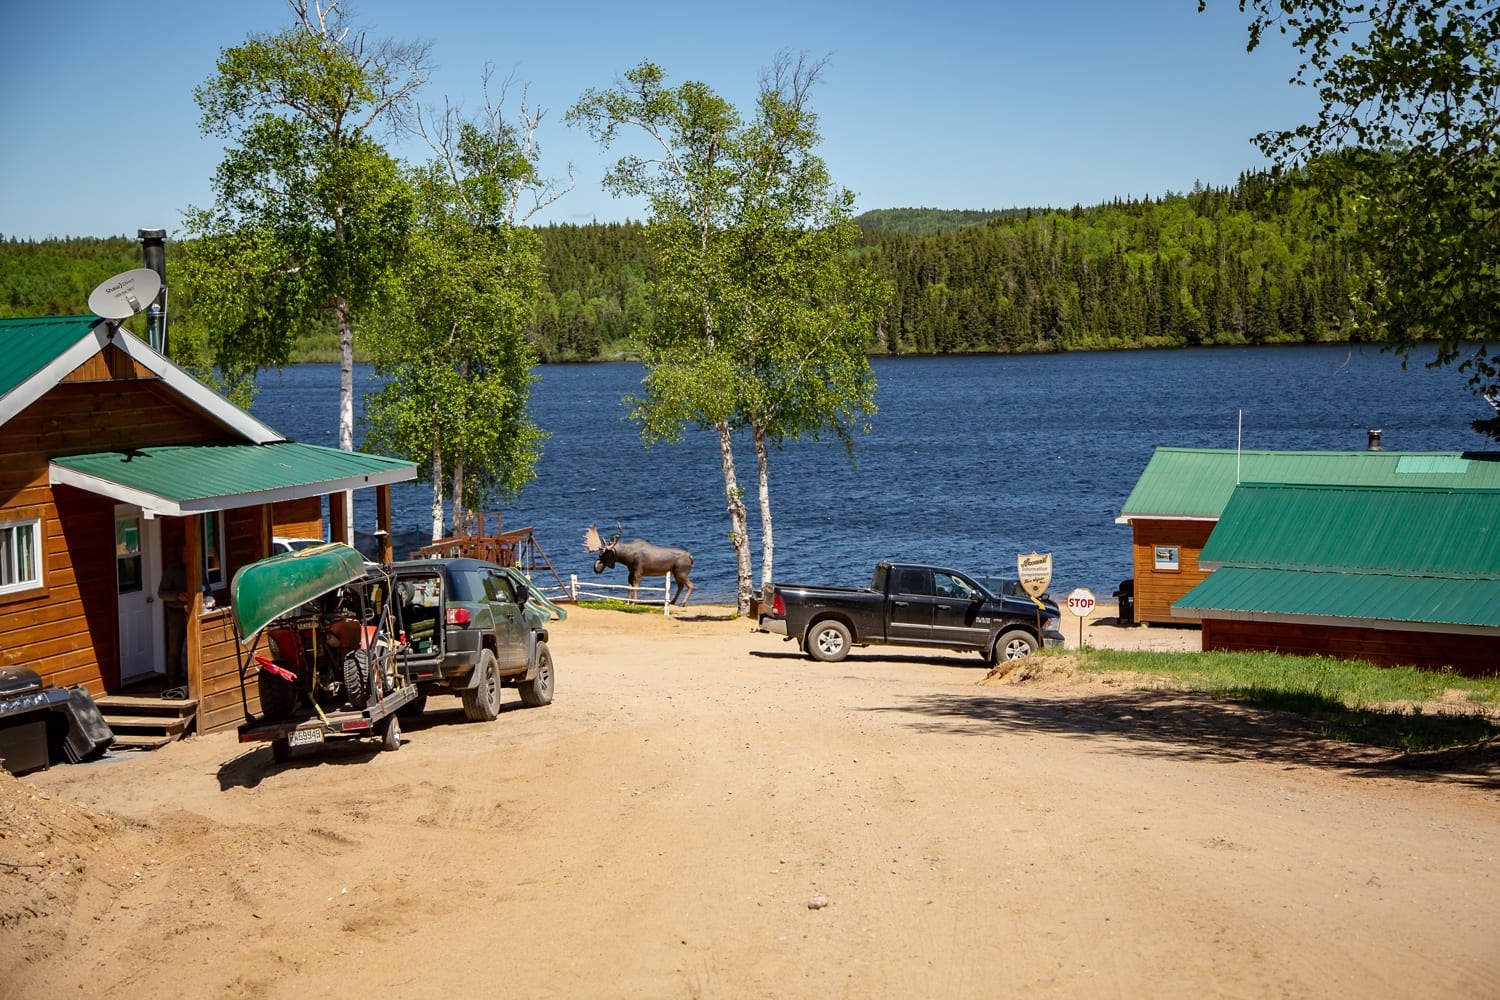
(124, 295)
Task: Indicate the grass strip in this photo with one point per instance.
(1402, 708)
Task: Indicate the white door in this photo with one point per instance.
(137, 572)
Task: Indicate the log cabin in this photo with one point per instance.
(113, 457)
(1392, 575)
(1183, 491)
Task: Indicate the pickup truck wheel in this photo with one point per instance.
(1014, 645)
(482, 702)
(538, 690)
(828, 641)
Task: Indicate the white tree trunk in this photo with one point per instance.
(767, 536)
(458, 497)
(437, 491)
(738, 532)
(346, 400)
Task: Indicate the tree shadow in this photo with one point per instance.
(1185, 726)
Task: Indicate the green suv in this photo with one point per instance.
(472, 627)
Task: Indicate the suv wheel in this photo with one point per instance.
(482, 702)
(538, 690)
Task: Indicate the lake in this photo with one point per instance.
(970, 460)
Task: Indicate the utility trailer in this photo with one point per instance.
(320, 642)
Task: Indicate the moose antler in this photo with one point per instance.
(618, 531)
(591, 542)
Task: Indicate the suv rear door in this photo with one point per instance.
(510, 623)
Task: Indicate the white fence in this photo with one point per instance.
(645, 595)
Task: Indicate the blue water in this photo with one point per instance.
(970, 462)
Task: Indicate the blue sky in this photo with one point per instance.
(943, 105)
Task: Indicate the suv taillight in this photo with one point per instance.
(777, 606)
(459, 616)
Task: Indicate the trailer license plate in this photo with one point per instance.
(305, 737)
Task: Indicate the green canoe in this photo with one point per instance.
(265, 590)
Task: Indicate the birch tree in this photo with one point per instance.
(755, 309)
(452, 353)
(310, 214)
(1405, 144)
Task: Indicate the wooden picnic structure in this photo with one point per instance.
(474, 540)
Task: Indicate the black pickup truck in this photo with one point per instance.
(910, 605)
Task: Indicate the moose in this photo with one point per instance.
(641, 559)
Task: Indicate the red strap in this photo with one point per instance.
(268, 666)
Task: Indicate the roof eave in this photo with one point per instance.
(1390, 624)
(1128, 516)
(159, 506)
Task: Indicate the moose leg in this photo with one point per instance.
(684, 589)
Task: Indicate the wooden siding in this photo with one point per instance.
(298, 518)
(1156, 590)
(110, 363)
(78, 418)
(1471, 655)
(65, 630)
(218, 689)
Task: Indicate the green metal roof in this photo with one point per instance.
(1417, 555)
(31, 343)
(1197, 482)
(1271, 593)
(1452, 533)
(187, 479)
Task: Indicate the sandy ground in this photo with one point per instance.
(705, 813)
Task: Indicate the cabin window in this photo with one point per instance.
(213, 550)
(1166, 557)
(20, 555)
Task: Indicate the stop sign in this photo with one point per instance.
(1081, 602)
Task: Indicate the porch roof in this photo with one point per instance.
(179, 480)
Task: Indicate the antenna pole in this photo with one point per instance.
(1239, 437)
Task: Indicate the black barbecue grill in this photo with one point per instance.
(35, 716)
(25, 710)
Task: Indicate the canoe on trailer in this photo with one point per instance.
(317, 639)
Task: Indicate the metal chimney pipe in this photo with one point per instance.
(154, 253)
(1375, 440)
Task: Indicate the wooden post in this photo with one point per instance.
(383, 524)
(263, 536)
(338, 527)
(192, 641)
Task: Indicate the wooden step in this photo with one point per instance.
(170, 724)
(140, 741)
(144, 722)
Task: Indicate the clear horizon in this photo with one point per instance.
(968, 107)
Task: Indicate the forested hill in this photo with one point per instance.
(1214, 266)
(928, 221)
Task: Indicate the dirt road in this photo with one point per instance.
(703, 813)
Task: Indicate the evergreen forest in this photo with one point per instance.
(1244, 264)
